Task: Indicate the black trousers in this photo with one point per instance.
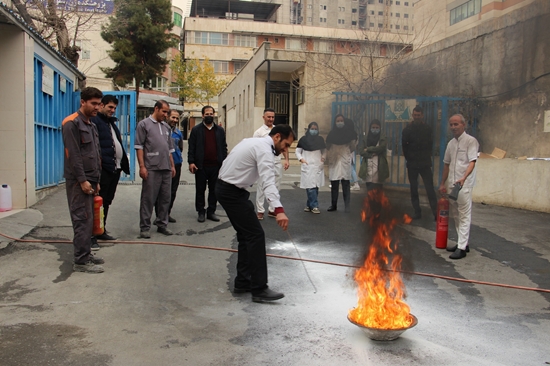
(427, 178)
(335, 184)
(251, 262)
(108, 183)
(81, 206)
(206, 177)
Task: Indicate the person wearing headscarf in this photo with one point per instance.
(341, 141)
(374, 168)
(311, 154)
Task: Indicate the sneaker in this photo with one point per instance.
(105, 236)
(165, 231)
(145, 234)
(307, 209)
(355, 187)
(171, 219)
(95, 260)
(88, 267)
(272, 214)
(94, 246)
(260, 215)
(316, 210)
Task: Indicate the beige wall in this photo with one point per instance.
(13, 131)
(513, 183)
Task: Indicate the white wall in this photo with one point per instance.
(513, 183)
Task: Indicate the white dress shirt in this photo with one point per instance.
(263, 131)
(248, 160)
(459, 153)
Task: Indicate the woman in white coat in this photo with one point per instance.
(311, 154)
(341, 141)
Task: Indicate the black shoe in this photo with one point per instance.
(171, 219)
(212, 217)
(458, 254)
(241, 290)
(267, 295)
(105, 236)
(201, 217)
(94, 246)
(416, 216)
(454, 248)
(164, 230)
(332, 208)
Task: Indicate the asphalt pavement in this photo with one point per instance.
(160, 303)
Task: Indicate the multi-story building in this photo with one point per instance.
(385, 15)
(439, 19)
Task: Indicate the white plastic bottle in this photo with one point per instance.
(5, 198)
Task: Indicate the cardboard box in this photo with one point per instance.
(496, 154)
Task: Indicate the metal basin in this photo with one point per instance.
(384, 334)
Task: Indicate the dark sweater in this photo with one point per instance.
(196, 150)
(417, 142)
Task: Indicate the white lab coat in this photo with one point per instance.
(313, 173)
(339, 161)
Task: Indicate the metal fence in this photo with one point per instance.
(363, 108)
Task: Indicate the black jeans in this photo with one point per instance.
(335, 184)
(107, 185)
(427, 178)
(206, 176)
(251, 262)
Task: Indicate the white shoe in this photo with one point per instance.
(315, 210)
(355, 187)
(307, 209)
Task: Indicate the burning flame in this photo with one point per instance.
(381, 290)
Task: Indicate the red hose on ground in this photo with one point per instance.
(448, 278)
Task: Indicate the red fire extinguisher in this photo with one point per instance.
(98, 216)
(442, 223)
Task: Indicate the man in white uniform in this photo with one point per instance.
(269, 119)
(460, 161)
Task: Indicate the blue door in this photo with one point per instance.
(52, 103)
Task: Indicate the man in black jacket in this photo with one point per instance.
(417, 142)
(206, 153)
(113, 157)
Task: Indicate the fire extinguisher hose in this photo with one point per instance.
(192, 246)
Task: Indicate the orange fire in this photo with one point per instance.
(381, 289)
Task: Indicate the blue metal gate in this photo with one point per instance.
(49, 111)
(363, 108)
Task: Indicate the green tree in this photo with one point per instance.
(139, 33)
(197, 80)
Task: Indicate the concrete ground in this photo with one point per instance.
(168, 305)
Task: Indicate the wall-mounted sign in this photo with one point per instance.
(47, 80)
(399, 110)
(62, 84)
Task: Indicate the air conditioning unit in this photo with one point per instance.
(231, 16)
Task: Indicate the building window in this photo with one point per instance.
(354, 10)
(158, 83)
(372, 12)
(380, 13)
(178, 20)
(341, 9)
(405, 15)
(379, 25)
(371, 25)
(220, 67)
(84, 45)
(341, 21)
(397, 26)
(276, 40)
(406, 27)
(238, 65)
(323, 7)
(211, 38)
(353, 22)
(465, 10)
(244, 41)
(397, 15)
(295, 44)
(406, 3)
(323, 46)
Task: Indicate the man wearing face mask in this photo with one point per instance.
(206, 153)
(417, 142)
